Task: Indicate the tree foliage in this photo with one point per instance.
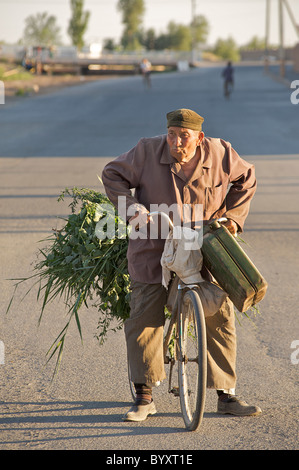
(178, 37)
(78, 23)
(255, 44)
(201, 29)
(227, 49)
(132, 16)
(41, 30)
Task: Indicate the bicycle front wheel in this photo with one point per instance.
(192, 364)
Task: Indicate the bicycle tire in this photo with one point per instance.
(192, 360)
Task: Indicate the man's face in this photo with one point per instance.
(183, 143)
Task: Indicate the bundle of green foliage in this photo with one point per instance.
(84, 269)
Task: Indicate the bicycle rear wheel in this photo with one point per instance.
(192, 361)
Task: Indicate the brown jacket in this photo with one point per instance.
(223, 183)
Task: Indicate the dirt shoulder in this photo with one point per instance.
(43, 84)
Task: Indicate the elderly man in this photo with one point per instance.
(181, 168)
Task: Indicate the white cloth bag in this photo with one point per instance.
(182, 255)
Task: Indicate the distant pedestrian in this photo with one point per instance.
(228, 75)
(146, 68)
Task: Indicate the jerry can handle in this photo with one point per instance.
(216, 223)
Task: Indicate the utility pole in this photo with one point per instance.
(281, 45)
(267, 35)
(193, 53)
(292, 18)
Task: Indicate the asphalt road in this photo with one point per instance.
(83, 408)
(108, 117)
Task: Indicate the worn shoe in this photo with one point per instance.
(140, 412)
(234, 406)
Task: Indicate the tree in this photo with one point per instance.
(41, 30)
(227, 49)
(255, 44)
(78, 23)
(109, 44)
(200, 28)
(132, 15)
(149, 39)
(178, 37)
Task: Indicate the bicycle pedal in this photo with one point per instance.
(175, 391)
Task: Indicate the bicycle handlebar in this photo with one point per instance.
(163, 214)
(166, 216)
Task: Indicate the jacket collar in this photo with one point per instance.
(206, 153)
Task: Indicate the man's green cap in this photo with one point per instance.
(184, 118)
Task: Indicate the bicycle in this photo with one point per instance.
(184, 344)
(228, 88)
(147, 80)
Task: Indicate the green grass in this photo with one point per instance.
(20, 73)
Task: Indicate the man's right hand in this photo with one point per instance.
(140, 219)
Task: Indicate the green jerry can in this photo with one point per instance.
(231, 267)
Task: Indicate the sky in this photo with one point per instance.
(241, 19)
